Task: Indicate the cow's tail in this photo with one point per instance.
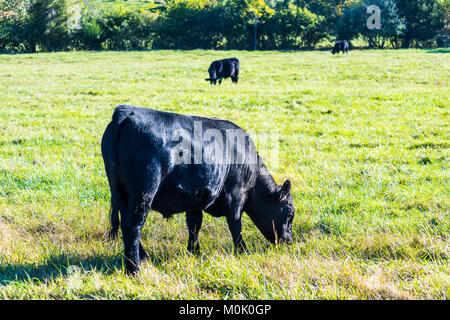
(120, 114)
(114, 218)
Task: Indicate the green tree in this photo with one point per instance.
(351, 23)
(122, 29)
(423, 18)
(187, 24)
(392, 25)
(443, 38)
(291, 26)
(48, 26)
(16, 6)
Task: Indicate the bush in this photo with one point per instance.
(443, 37)
(120, 29)
(48, 26)
(351, 23)
(293, 27)
(189, 25)
(89, 36)
(237, 30)
(354, 23)
(424, 19)
(392, 25)
(14, 36)
(51, 25)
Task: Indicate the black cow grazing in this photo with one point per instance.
(148, 170)
(341, 45)
(222, 69)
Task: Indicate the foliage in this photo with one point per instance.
(392, 25)
(124, 30)
(424, 19)
(237, 24)
(237, 30)
(351, 23)
(187, 24)
(16, 6)
(50, 25)
(14, 34)
(292, 27)
(443, 37)
(89, 36)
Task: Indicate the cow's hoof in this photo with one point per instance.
(143, 256)
(240, 248)
(194, 251)
(132, 271)
(131, 268)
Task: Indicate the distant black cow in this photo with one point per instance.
(222, 69)
(142, 157)
(341, 45)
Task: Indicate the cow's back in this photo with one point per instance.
(224, 68)
(150, 138)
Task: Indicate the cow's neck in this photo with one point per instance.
(256, 207)
(265, 183)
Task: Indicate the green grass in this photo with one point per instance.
(129, 4)
(364, 140)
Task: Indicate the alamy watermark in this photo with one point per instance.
(206, 145)
(374, 20)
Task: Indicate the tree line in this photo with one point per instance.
(55, 25)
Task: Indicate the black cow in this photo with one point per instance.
(341, 45)
(147, 169)
(222, 69)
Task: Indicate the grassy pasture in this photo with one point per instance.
(364, 139)
(130, 4)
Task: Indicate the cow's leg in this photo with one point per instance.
(220, 81)
(132, 223)
(235, 77)
(142, 254)
(235, 225)
(194, 223)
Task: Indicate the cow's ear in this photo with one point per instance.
(284, 190)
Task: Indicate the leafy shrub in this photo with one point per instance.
(293, 27)
(187, 25)
(89, 36)
(48, 27)
(14, 36)
(51, 25)
(121, 30)
(351, 23)
(392, 25)
(423, 18)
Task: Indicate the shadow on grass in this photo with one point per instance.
(439, 50)
(62, 265)
(59, 266)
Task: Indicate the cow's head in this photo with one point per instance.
(212, 80)
(273, 213)
(333, 51)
